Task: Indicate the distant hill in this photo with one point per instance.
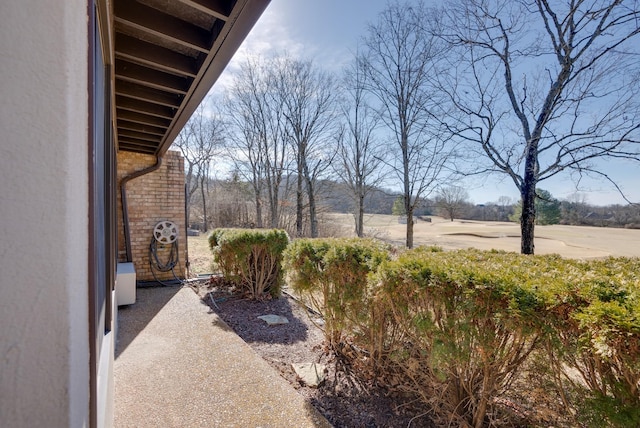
(337, 198)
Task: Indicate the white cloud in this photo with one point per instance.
(269, 36)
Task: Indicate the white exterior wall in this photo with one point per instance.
(44, 346)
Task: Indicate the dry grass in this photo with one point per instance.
(200, 256)
(581, 242)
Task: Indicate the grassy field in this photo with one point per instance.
(199, 255)
(569, 241)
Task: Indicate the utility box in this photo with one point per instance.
(126, 284)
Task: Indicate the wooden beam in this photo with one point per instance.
(145, 93)
(135, 73)
(141, 118)
(139, 135)
(154, 56)
(166, 26)
(137, 142)
(127, 147)
(216, 8)
(141, 127)
(144, 107)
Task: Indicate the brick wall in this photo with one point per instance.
(151, 198)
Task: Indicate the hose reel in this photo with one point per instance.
(165, 233)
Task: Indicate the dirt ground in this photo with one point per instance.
(345, 400)
(342, 399)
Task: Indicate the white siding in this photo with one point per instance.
(44, 357)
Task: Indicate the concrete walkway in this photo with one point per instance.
(179, 365)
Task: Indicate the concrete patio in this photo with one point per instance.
(179, 365)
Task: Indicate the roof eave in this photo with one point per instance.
(240, 22)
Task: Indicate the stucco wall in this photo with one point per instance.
(152, 198)
(44, 358)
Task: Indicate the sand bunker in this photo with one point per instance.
(569, 241)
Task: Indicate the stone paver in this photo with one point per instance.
(312, 374)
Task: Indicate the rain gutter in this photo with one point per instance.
(125, 211)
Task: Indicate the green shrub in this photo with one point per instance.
(331, 274)
(468, 322)
(251, 259)
(456, 329)
(596, 334)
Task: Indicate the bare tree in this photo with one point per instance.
(249, 162)
(307, 97)
(452, 201)
(575, 208)
(199, 142)
(260, 152)
(399, 62)
(505, 204)
(359, 155)
(543, 88)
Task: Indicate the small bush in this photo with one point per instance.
(331, 274)
(467, 323)
(596, 334)
(251, 259)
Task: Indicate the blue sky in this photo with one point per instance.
(328, 32)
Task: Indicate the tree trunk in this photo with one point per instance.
(258, 211)
(204, 206)
(299, 201)
(528, 219)
(187, 209)
(527, 223)
(360, 216)
(409, 226)
(408, 206)
(189, 189)
(274, 214)
(313, 215)
(528, 195)
(272, 193)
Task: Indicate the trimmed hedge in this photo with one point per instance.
(455, 329)
(596, 333)
(331, 275)
(250, 258)
(468, 324)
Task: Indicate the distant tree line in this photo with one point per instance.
(230, 202)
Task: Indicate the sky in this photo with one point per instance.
(328, 32)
